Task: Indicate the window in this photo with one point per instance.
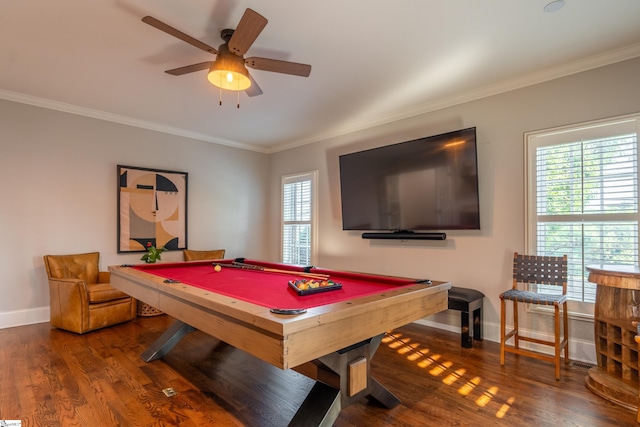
(298, 218)
(582, 197)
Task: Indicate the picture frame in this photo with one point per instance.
(152, 209)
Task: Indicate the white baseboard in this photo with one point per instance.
(579, 350)
(11, 319)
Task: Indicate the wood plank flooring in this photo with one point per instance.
(50, 377)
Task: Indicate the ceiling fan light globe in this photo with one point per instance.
(229, 73)
(229, 80)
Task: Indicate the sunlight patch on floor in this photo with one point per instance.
(487, 396)
(440, 368)
(419, 354)
(469, 386)
(454, 376)
(427, 361)
(505, 407)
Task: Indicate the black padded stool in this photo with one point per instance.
(467, 301)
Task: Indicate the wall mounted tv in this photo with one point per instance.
(426, 184)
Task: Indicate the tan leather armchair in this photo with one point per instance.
(81, 298)
(190, 255)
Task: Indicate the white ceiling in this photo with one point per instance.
(373, 61)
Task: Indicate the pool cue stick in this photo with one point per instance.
(317, 276)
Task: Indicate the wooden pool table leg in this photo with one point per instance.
(167, 341)
(343, 377)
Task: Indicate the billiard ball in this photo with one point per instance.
(217, 267)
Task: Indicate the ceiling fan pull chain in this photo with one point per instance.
(238, 92)
(221, 97)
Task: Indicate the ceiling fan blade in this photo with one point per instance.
(179, 34)
(278, 66)
(189, 69)
(254, 89)
(249, 28)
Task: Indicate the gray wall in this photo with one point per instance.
(59, 196)
(59, 193)
(474, 259)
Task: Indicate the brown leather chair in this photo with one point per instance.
(202, 255)
(80, 296)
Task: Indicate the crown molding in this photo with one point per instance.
(574, 67)
(115, 118)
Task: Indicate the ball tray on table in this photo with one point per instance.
(313, 286)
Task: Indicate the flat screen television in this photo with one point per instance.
(427, 184)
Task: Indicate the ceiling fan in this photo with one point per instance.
(228, 70)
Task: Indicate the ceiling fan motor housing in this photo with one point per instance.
(226, 34)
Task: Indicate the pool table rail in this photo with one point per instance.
(284, 341)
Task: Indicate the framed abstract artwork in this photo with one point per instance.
(152, 208)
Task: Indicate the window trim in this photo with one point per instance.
(297, 177)
(577, 309)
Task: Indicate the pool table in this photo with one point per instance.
(332, 340)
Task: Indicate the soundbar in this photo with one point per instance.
(405, 235)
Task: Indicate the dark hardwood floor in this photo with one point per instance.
(50, 377)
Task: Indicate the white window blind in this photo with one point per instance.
(298, 230)
(582, 197)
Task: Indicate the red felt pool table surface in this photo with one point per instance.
(271, 289)
(234, 305)
(331, 342)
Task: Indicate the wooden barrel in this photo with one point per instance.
(616, 307)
